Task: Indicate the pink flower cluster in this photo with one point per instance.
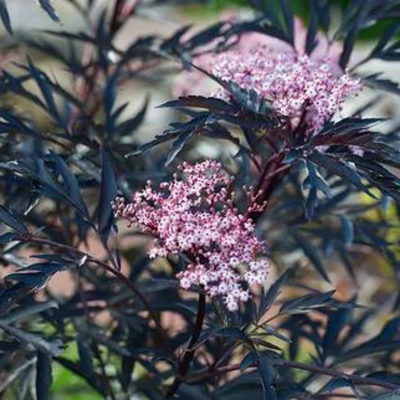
(195, 216)
(295, 84)
(292, 80)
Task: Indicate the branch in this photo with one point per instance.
(274, 171)
(115, 22)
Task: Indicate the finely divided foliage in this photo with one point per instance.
(261, 255)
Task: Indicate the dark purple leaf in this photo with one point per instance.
(108, 192)
(312, 253)
(50, 10)
(267, 372)
(12, 220)
(5, 16)
(43, 375)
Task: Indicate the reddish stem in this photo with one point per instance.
(272, 174)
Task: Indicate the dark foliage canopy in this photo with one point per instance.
(296, 339)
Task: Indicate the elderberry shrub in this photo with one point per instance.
(249, 249)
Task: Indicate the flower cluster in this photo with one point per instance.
(195, 216)
(295, 84)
